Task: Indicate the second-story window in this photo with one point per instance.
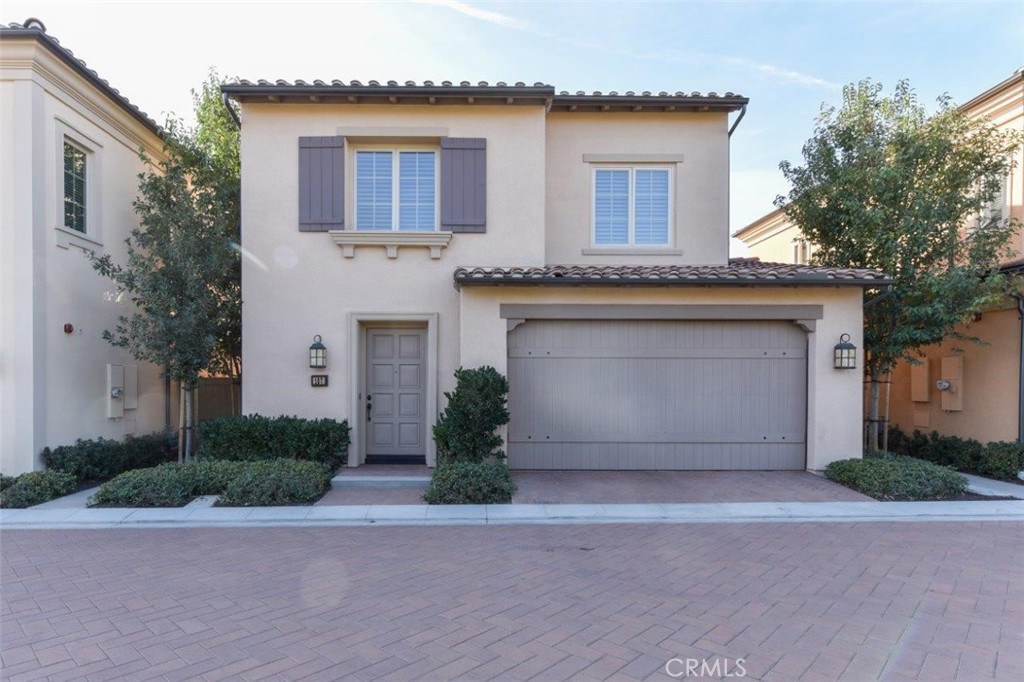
(632, 206)
(74, 187)
(396, 189)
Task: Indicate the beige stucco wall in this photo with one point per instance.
(990, 390)
(834, 406)
(298, 284)
(52, 384)
(701, 182)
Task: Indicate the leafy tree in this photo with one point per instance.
(182, 270)
(886, 186)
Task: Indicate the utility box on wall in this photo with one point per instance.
(953, 375)
(122, 389)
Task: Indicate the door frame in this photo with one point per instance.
(358, 323)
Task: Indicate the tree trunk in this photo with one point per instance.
(876, 385)
(188, 424)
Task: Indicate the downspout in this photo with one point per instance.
(1020, 360)
(743, 112)
(227, 105)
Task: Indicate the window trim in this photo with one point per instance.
(395, 151)
(67, 237)
(631, 243)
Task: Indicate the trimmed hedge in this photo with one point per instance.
(1001, 460)
(102, 459)
(35, 488)
(253, 437)
(7, 481)
(262, 483)
(276, 483)
(465, 482)
(476, 409)
(894, 477)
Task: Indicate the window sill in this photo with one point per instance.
(632, 251)
(67, 238)
(348, 240)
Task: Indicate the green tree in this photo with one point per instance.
(183, 268)
(887, 186)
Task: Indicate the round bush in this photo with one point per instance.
(467, 482)
(37, 487)
(893, 477)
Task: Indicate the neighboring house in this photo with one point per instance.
(985, 398)
(578, 243)
(67, 180)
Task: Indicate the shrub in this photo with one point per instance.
(892, 477)
(1002, 460)
(466, 482)
(277, 482)
(7, 481)
(167, 485)
(101, 459)
(476, 409)
(37, 487)
(253, 437)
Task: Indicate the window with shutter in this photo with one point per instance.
(413, 207)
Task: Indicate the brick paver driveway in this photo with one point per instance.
(927, 600)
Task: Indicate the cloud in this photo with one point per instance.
(482, 14)
(785, 75)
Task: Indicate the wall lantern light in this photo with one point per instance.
(317, 353)
(845, 354)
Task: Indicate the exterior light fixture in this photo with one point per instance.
(317, 353)
(845, 354)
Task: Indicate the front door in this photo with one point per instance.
(395, 379)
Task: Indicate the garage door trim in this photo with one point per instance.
(660, 312)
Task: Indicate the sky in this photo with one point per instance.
(789, 58)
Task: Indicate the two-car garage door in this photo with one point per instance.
(652, 394)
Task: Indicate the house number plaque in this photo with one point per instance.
(318, 380)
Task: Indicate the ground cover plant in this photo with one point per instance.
(895, 477)
(242, 484)
(35, 488)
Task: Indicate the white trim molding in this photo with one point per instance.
(391, 240)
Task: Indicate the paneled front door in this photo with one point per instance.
(395, 403)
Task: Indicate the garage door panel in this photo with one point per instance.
(657, 395)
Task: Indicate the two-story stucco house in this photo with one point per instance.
(985, 395)
(576, 242)
(70, 156)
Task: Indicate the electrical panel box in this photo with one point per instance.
(115, 391)
(953, 372)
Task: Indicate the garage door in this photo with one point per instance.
(639, 394)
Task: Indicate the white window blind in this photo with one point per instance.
(413, 208)
(631, 206)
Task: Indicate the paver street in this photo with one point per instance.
(862, 601)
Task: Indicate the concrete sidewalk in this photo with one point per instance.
(511, 514)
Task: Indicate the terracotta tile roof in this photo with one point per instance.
(739, 272)
(34, 29)
(416, 92)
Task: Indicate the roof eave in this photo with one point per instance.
(369, 94)
(651, 103)
(78, 68)
(702, 282)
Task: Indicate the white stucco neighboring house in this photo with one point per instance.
(70, 156)
(576, 242)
